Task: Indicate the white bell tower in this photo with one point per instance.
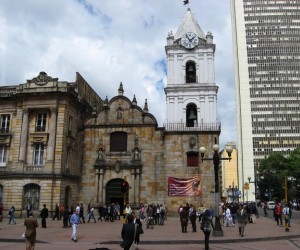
(191, 91)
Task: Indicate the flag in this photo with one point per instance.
(185, 2)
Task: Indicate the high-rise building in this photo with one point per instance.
(266, 36)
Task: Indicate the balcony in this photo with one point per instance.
(34, 168)
(173, 127)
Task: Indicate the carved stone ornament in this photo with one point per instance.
(117, 166)
(192, 141)
(42, 79)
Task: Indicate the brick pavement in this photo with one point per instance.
(107, 234)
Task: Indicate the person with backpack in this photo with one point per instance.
(11, 215)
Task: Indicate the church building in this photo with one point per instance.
(60, 143)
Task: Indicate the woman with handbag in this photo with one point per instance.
(206, 226)
(129, 234)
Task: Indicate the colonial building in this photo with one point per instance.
(41, 139)
(60, 143)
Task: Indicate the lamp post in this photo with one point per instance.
(254, 182)
(216, 162)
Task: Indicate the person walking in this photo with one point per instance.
(242, 219)
(66, 215)
(184, 216)
(81, 216)
(56, 213)
(28, 209)
(228, 218)
(193, 217)
(206, 225)
(11, 214)
(278, 214)
(150, 217)
(30, 234)
(74, 220)
(1, 212)
(92, 216)
(44, 215)
(129, 233)
(287, 213)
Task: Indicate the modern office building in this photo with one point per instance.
(266, 36)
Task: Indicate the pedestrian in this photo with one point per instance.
(28, 209)
(1, 212)
(193, 217)
(139, 227)
(74, 220)
(92, 216)
(184, 215)
(287, 211)
(206, 225)
(11, 214)
(30, 234)
(129, 233)
(44, 214)
(278, 214)
(56, 213)
(66, 215)
(128, 211)
(228, 218)
(242, 219)
(81, 216)
(150, 217)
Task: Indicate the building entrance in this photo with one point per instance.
(114, 193)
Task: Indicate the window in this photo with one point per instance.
(31, 196)
(192, 159)
(5, 120)
(3, 155)
(38, 154)
(118, 142)
(190, 72)
(41, 119)
(191, 115)
(70, 127)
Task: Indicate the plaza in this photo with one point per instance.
(264, 234)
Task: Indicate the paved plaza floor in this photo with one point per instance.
(264, 234)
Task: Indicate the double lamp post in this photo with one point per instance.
(216, 162)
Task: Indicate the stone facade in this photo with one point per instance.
(41, 140)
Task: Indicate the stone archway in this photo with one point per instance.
(114, 193)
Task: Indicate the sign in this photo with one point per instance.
(184, 187)
(246, 186)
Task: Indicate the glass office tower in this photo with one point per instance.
(266, 37)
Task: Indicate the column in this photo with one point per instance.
(100, 187)
(137, 186)
(24, 136)
(52, 134)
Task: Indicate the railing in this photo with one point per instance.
(35, 168)
(197, 127)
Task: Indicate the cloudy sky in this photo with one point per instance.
(112, 41)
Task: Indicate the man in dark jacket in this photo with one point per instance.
(44, 215)
(128, 232)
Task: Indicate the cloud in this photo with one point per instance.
(109, 42)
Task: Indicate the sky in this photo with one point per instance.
(113, 41)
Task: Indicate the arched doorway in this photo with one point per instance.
(114, 193)
(31, 195)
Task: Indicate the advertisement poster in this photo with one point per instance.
(184, 187)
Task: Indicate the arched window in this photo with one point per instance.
(191, 115)
(118, 142)
(190, 72)
(31, 196)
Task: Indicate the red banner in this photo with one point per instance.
(184, 187)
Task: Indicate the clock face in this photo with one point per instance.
(189, 40)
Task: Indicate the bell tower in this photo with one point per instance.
(191, 91)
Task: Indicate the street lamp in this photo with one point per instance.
(216, 161)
